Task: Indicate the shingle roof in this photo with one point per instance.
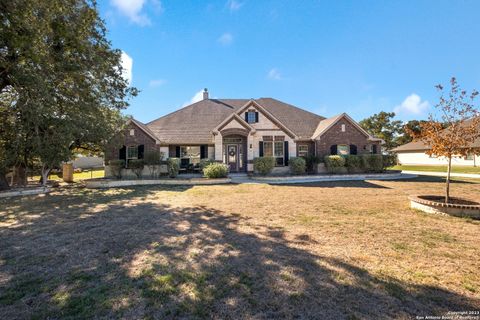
(325, 124)
(194, 123)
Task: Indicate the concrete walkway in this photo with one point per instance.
(443, 174)
(244, 179)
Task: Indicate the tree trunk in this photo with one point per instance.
(3, 182)
(447, 182)
(45, 172)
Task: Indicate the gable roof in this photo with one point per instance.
(144, 128)
(230, 118)
(326, 124)
(194, 123)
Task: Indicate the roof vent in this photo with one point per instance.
(205, 94)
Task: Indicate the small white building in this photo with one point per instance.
(414, 153)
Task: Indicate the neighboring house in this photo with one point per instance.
(235, 131)
(414, 153)
(87, 162)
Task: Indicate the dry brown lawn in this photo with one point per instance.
(339, 250)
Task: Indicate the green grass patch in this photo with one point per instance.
(86, 174)
(455, 169)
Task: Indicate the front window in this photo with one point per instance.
(343, 149)
(192, 153)
(132, 152)
(303, 150)
(274, 147)
(251, 117)
(268, 148)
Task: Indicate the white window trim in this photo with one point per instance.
(343, 127)
(273, 151)
(132, 132)
(307, 151)
(127, 155)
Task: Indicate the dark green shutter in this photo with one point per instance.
(177, 151)
(285, 161)
(333, 149)
(141, 149)
(246, 117)
(260, 149)
(256, 116)
(122, 153)
(374, 150)
(353, 149)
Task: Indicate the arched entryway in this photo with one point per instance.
(234, 148)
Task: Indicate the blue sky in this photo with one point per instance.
(329, 57)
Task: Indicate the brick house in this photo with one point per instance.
(235, 131)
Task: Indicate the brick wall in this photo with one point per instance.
(124, 138)
(352, 135)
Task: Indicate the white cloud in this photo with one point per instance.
(274, 74)
(157, 83)
(196, 97)
(127, 64)
(132, 9)
(412, 104)
(234, 5)
(225, 39)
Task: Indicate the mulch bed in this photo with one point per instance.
(441, 199)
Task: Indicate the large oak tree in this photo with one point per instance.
(61, 83)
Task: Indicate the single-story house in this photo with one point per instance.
(235, 131)
(414, 153)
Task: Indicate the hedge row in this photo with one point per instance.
(362, 163)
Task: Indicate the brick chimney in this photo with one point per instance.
(205, 94)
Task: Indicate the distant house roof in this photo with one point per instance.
(412, 146)
(417, 146)
(194, 123)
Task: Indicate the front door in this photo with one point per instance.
(232, 157)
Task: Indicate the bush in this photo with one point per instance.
(152, 159)
(390, 160)
(137, 166)
(335, 164)
(116, 167)
(311, 162)
(297, 165)
(215, 170)
(372, 163)
(264, 165)
(353, 163)
(205, 162)
(173, 165)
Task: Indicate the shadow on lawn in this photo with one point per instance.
(146, 260)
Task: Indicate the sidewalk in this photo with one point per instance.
(244, 179)
(443, 174)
